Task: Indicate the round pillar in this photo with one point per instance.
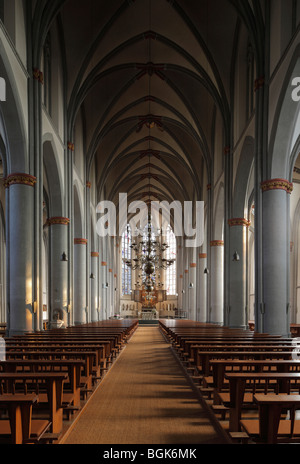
(274, 317)
(20, 239)
(192, 288)
(217, 285)
(202, 288)
(80, 316)
(94, 286)
(179, 275)
(58, 239)
(236, 314)
(103, 284)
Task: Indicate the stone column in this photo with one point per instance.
(273, 316)
(80, 316)
(179, 274)
(118, 276)
(58, 240)
(111, 291)
(202, 288)
(20, 241)
(217, 284)
(87, 233)
(236, 313)
(103, 282)
(192, 289)
(109, 301)
(185, 295)
(94, 286)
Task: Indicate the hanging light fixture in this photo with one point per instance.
(64, 257)
(235, 256)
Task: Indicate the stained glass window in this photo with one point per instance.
(126, 254)
(170, 283)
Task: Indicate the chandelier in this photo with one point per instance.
(149, 260)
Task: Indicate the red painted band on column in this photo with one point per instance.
(277, 184)
(80, 241)
(217, 243)
(19, 178)
(58, 221)
(239, 222)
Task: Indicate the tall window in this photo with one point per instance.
(126, 254)
(170, 283)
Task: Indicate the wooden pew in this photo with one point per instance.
(99, 365)
(20, 428)
(73, 367)
(270, 427)
(52, 382)
(203, 358)
(220, 366)
(90, 358)
(237, 387)
(79, 353)
(113, 343)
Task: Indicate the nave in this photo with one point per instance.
(146, 398)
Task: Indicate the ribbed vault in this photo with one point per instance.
(149, 81)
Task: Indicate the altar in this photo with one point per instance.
(148, 314)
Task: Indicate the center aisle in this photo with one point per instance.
(144, 399)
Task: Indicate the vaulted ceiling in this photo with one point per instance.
(148, 77)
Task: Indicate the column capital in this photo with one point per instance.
(94, 254)
(277, 184)
(20, 179)
(58, 221)
(193, 265)
(202, 255)
(103, 263)
(217, 243)
(239, 222)
(80, 241)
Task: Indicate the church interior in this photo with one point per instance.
(149, 221)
